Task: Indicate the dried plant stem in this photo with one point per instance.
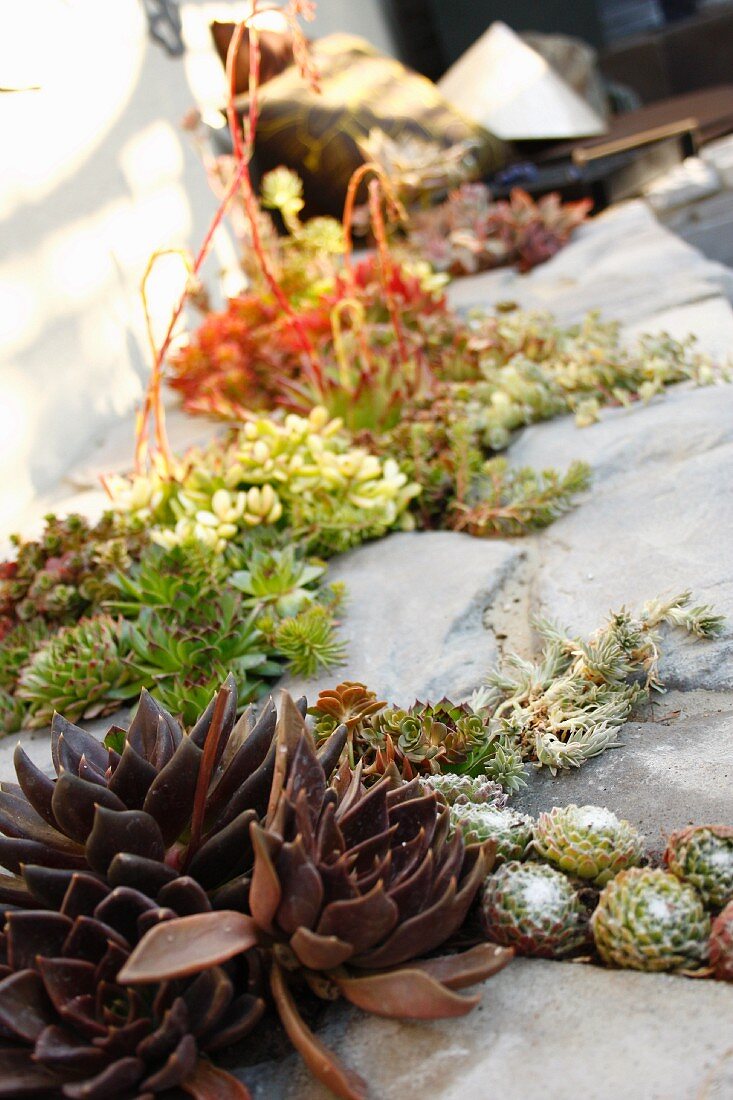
(243, 155)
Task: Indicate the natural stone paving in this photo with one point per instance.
(430, 613)
(413, 620)
(659, 519)
(543, 1031)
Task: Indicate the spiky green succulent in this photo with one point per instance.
(703, 856)
(721, 944)
(278, 581)
(647, 919)
(83, 671)
(308, 641)
(511, 831)
(465, 790)
(534, 909)
(587, 841)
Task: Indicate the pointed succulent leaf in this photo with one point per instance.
(132, 831)
(74, 803)
(318, 952)
(177, 949)
(404, 994)
(171, 795)
(24, 1007)
(467, 967)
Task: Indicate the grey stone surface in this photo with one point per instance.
(673, 768)
(623, 263)
(659, 520)
(543, 1031)
(413, 621)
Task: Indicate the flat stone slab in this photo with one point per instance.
(623, 262)
(673, 768)
(658, 520)
(543, 1031)
(413, 620)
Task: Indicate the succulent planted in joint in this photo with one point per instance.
(510, 830)
(647, 919)
(81, 670)
(298, 473)
(350, 888)
(465, 790)
(589, 842)
(427, 738)
(567, 707)
(721, 944)
(703, 856)
(279, 582)
(534, 909)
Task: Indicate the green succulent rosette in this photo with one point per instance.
(590, 842)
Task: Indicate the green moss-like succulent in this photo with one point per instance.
(589, 842)
(647, 919)
(511, 831)
(703, 856)
(82, 671)
(534, 909)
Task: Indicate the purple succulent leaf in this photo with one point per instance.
(207, 999)
(74, 803)
(171, 794)
(319, 952)
(83, 893)
(363, 921)
(36, 786)
(133, 831)
(33, 932)
(148, 875)
(24, 1006)
(115, 1080)
(186, 896)
(179, 1065)
(65, 979)
(180, 948)
(226, 854)
(404, 994)
(301, 888)
(132, 778)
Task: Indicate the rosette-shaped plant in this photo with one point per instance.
(510, 831)
(703, 856)
(587, 841)
(71, 1028)
(350, 887)
(278, 582)
(467, 790)
(81, 671)
(646, 919)
(534, 909)
(721, 944)
(154, 793)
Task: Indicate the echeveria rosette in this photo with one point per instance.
(587, 841)
(703, 856)
(73, 1027)
(350, 889)
(154, 793)
(721, 944)
(533, 908)
(647, 919)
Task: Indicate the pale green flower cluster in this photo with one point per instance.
(299, 472)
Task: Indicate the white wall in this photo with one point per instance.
(95, 176)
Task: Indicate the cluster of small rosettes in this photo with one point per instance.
(534, 909)
(647, 919)
(511, 831)
(703, 856)
(465, 790)
(589, 842)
